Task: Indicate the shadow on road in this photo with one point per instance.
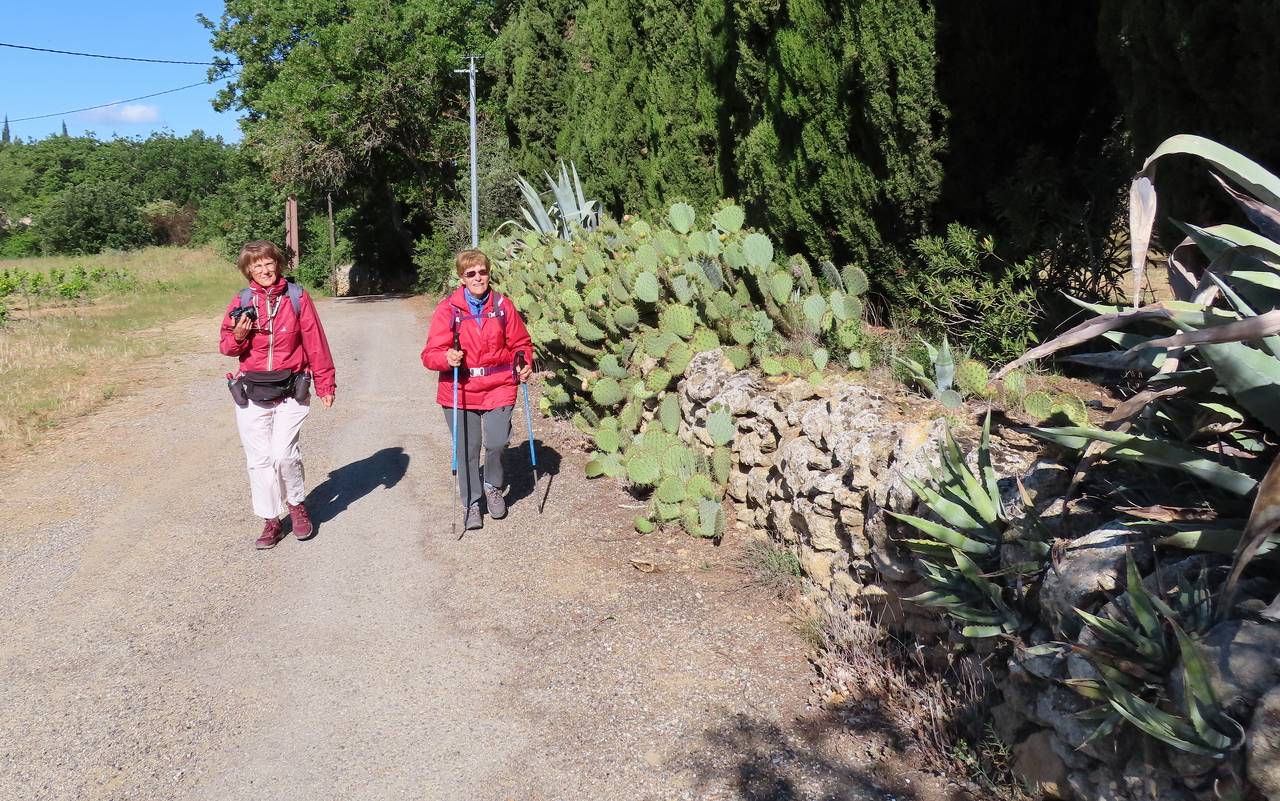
(515, 466)
(765, 762)
(351, 482)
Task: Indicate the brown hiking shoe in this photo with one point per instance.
(473, 520)
(272, 533)
(301, 522)
(494, 501)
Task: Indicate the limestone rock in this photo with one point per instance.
(1035, 761)
(736, 394)
(1092, 567)
(1243, 659)
(817, 566)
(816, 529)
(798, 460)
(708, 372)
(1262, 746)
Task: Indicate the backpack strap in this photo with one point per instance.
(292, 288)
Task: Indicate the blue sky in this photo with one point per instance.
(42, 83)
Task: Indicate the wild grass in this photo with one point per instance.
(774, 568)
(877, 681)
(60, 357)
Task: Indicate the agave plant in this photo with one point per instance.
(569, 208)
(937, 377)
(1136, 643)
(1217, 346)
(960, 557)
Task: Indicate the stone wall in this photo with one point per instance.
(817, 468)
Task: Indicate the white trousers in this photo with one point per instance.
(269, 433)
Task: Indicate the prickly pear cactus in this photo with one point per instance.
(1038, 405)
(972, 378)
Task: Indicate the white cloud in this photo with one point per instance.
(128, 114)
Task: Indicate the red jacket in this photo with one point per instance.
(493, 343)
(295, 341)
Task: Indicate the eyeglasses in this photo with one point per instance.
(474, 273)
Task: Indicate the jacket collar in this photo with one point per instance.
(270, 291)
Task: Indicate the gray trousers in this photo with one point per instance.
(493, 428)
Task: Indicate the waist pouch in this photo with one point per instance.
(269, 385)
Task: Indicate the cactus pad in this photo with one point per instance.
(1038, 405)
(950, 399)
(738, 357)
(700, 486)
(710, 520)
(646, 287)
(771, 366)
(642, 470)
(704, 339)
(671, 490)
(626, 318)
(678, 357)
(757, 249)
(820, 358)
(607, 439)
(729, 219)
(721, 465)
(780, 286)
(606, 392)
(669, 414)
(657, 380)
(678, 320)
(814, 309)
(720, 427)
(1015, 384)
(972, 377)
(1070, 407)
(644, 525)
(742, 332)
(855, 280)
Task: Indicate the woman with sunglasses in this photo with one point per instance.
(480, 332)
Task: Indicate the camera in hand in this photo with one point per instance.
(245, 311)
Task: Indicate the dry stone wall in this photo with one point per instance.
(818, 467)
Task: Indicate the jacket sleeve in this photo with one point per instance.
(439, 339)
(316, 346)
(227, 344)
(518, 339)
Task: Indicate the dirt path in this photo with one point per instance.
(149, 652)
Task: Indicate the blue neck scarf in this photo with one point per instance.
(476, 304)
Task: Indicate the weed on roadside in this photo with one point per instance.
(878, 682)
(772, 567)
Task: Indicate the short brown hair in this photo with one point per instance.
(255, 250)
(471, 258)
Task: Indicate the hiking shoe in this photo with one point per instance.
(271, 534)
(494, 501)
(473, 520)
(301, 522)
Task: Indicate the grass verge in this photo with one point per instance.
(63, 356)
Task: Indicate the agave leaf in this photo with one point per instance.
(969, 569)
(1086, 331)
(1142, 216)
(953, 513)
(1104, 729)
(1264, 325)
(1242, 171)
(944, 368)
(1153, 451)
(1182, 279)
(1265, 218)
(930, 548)
(1207, 717)
(1216, 240)
(984, 463)
(981, 632)
(936, 598)
(1155, 722)
(944, 534)
(1140, 599)
(1251, 376)
(1264, 520)
(974, 492)
(1089, 688)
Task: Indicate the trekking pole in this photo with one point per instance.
(454, 468)
(528, 419)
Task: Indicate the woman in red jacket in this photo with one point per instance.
(490, 332)
(282, 348)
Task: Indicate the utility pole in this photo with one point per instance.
(475, 207)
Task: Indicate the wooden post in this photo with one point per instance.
(333, 246)
(291, 230)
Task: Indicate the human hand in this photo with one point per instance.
(242, 328)
(327, 400)
(454, 357)
(525, 373)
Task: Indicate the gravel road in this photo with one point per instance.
(149, 652)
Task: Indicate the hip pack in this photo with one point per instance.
(270, 385)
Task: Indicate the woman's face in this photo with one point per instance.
(264, 270)
(476, 279)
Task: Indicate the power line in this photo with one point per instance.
(118, 102)
(113, 58)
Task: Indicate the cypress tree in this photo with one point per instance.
(838, 141)
(64, 128)
(4, 135)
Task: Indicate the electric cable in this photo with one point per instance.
(118, 102)
(113, 58)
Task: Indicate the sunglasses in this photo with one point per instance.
(474, 273)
